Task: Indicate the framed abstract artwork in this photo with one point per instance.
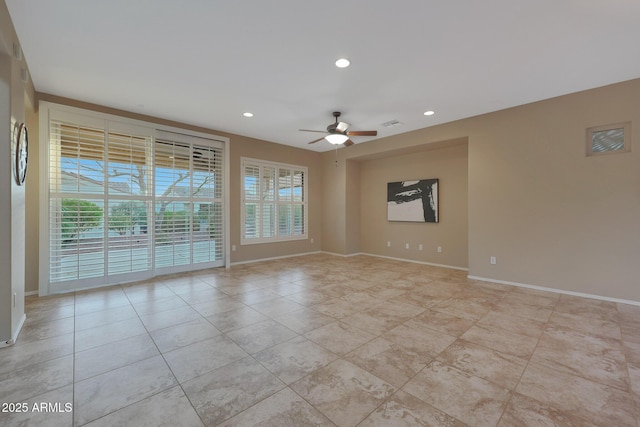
(413, 201)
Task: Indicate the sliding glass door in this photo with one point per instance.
(127, 202)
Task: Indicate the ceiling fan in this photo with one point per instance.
(338, 133)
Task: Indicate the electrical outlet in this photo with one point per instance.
(406, 246)
(389, 244)
(493, 260)
(312, 240)
(439, 249)
(233, 248)
(420, 247)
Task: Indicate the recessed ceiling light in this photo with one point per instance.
(247, 114)
(429, 113)
(343, 63)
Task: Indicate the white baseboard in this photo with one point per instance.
(251, 261)
(554, 290)
(30, 293)
(342, 255)
(452, 267)
(14, 338)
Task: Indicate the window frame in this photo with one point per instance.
(277, 237)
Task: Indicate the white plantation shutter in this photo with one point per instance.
(123, 207)
(274, 202)
(188, 201)
(76, 202)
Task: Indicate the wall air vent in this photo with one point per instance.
(606, 139)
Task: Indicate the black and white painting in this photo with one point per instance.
(413, 201)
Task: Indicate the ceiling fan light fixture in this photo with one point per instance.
(336, 138)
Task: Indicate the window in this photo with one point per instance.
(606, 139)
(128, 202)
(274, 206)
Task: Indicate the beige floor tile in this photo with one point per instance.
(256, 296)
(594, 358)
(104, 317)
(337, 308)
(538, 299)
(27, 353)
(181, 283)
(467, 309)
(304, 320)
(260, 336)
(114, 390)
(195, 296)
(527, 311)
(34, 379)
(149, 293)
(167, 408)
(425, 342)
(499, 368)
(338, 337)
(629, 315)
(98, 302)
(108, 333)
(217, 306)
(589, 325)
(578, 397)
(227, 391)
(527, 412)
(61, 398)
(295, 359)
(388, 361)
(199, 358)
(343, 392)
(456, 347)
(511, 323)
(236, 318)
(184, 334)
(156, 306)
(309, 297)
(32, 331)
(597, 309)
(277, 307)
(283, 409)
(404, 410)
(34, 303)
(465, 397)
(501, 340)
(441, 322)
(50, 312)
(164, 319)
(104, 358)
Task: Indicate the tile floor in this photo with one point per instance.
(323, 340)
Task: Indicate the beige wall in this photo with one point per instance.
(15, 100)
(449, 165)
(550, 215)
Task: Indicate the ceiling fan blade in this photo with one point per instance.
(342, 126)
(348, 142)
(363, 133)
(319, 139)
(311, 130)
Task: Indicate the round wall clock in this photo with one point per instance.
(22, 153)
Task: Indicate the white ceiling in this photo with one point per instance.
(205, 62)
